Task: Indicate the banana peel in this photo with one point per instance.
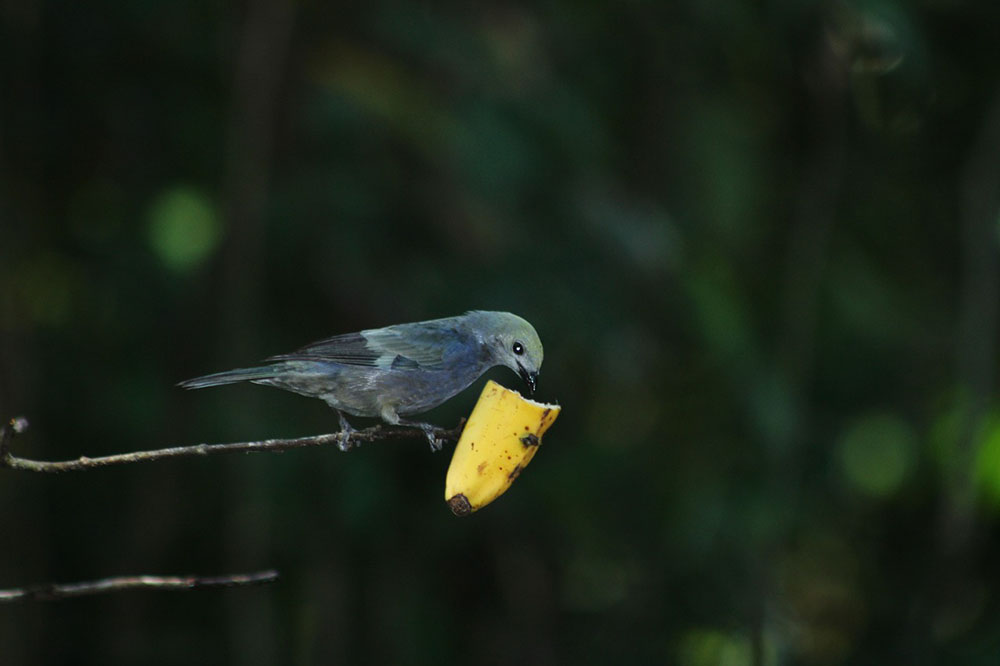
(501, 437)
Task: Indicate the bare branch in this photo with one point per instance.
(350, 439)
(50, 591)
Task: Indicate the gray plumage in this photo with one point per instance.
(398, 370)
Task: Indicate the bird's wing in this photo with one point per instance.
(349, 349)
(423, 345)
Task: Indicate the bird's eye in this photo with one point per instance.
(518, 348)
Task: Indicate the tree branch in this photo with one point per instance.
(50, 591)
(354, 438)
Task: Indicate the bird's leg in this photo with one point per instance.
(389, 415)
(344, 436)
(430, 431)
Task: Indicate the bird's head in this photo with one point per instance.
(513, 342)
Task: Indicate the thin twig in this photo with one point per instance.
(50, 591)
(354, 438)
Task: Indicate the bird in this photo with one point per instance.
(397, 370)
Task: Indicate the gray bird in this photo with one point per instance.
(398, 370)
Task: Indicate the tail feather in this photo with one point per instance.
(231, 377)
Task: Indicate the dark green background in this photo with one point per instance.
(758, 239)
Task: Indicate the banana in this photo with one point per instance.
(501, 437)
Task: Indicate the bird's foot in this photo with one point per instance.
(344, 436)
(430, 431)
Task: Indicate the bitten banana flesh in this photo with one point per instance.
(501, 437)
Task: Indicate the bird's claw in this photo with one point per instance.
(344, 442)
(431, 433)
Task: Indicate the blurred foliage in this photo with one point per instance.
(759, 241)
(183, 229)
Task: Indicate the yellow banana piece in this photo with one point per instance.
(499, 440)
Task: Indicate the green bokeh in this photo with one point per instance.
(876, 454)
(987, 461)
(705, 647)
(184, 228)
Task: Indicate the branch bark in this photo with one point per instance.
(51, 591)
(354, 438)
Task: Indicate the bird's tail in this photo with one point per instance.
(231, 377)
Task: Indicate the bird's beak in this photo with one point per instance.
(530, 378)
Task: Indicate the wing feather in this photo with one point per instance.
(425, 345)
